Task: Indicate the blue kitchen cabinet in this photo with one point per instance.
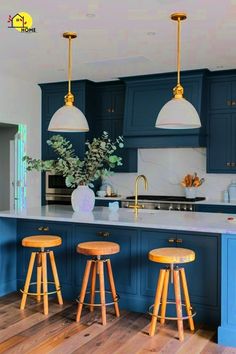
(146, 95)
(203, 275)
(207, 208)
(8, 253)
(63, 253)
(221, 141)
(227, 331)
(109, 116)
(124, 263)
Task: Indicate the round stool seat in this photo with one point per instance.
(98, 248)
(41, 241)
(171, 255)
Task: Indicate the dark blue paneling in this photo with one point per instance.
(145, 96)
(207, 208)
(7, 256)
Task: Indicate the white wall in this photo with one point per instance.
(165, 169)
(20, 102)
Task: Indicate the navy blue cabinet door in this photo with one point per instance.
(219, 149)
(109, 117)
(124, 263)
(63, 253)
(220, 94)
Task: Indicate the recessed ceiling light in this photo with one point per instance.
(90, 15)
(151, 33)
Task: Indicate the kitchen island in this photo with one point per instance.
(211, 277)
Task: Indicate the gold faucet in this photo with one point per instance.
(136, 205)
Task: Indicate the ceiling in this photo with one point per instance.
(116, 38)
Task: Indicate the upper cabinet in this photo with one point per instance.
(109, 116)
(146, 95)
(221, 141)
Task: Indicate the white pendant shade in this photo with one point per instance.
(178, 113)
(68, 119)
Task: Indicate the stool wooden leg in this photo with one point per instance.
(186, 297)
(93, 285)
(83, 289)
(178, 304)
(39, 275)
(164, 296)
(45, 283)
(55, 276)
(27, 281)
(157, 301)
(113, 288)
(102, 291)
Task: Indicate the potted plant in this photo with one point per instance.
(80, 174)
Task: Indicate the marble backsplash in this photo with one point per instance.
(165, 168)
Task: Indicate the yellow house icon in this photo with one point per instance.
(19, 21)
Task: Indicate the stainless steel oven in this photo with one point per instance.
(56, 191)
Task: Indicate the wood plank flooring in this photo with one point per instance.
(30, 332)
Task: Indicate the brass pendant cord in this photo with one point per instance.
(69, 65)
(178, 50)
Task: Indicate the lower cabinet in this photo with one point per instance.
(207, 208)
(63, 253)
(203, 275)
(135, 276)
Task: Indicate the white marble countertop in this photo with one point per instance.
(155, 219)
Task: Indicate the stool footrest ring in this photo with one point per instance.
(99, 304)
(35, 294)
(172, 318)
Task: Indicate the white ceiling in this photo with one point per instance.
(115, 43)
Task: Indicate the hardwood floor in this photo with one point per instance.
(29, 331)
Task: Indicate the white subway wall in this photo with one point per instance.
(20, 102)
(165, 169)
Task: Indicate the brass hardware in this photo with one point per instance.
(109, 110)
(43, 228)
(136, 205)
(233, 103)
(228, 102)
(69, 98)
(179, 240)
(178, 90)
(171, 240)
(103, 233)
(112, 110)
(228, 164)
(232, 164)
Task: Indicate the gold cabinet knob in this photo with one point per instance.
(233, 103)
(228, 164)
(179, 240)
(229, 103)
(233, 164)
(171, 240)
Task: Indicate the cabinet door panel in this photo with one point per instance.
(220, 94)
(203, 273)
(219, 143)
(233, 137)
(150, 270)
(124, 263)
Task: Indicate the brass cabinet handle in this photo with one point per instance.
(103, 233)
(229, 103)
(232, 164)
(228, 164)
(179, 240)
(43, 228)
(109, 110)
(233, 103)
(171, 240)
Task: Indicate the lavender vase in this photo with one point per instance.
(83, 199)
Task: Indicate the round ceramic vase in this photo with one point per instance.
(83, 199)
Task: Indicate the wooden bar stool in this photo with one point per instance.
(96, 266)
(42, 242)
(171, 256)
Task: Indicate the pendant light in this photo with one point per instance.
(178, 113)
(68, 118)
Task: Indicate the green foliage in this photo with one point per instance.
(98, 161)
